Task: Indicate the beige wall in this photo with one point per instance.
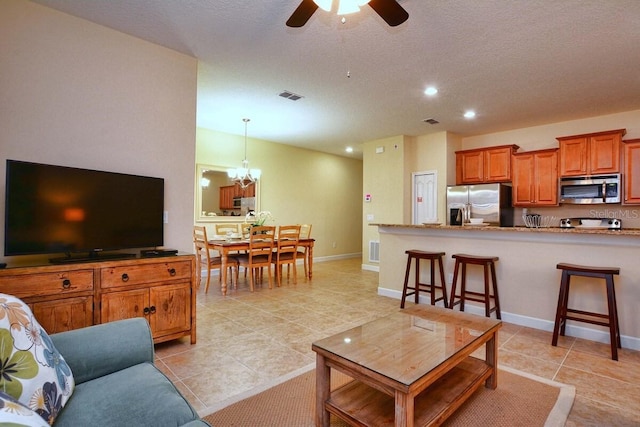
(298, 186)
(387, 177)
(79, 94)
(384, 180)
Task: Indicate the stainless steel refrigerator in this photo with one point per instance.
(491, 202)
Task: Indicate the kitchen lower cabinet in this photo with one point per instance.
(631, 179)
(535, 178)
(73, 296)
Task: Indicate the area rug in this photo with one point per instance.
(521, 399)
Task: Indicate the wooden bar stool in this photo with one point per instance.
(488, 263)
(425, 287)
(563, 313)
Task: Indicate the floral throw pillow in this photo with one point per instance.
(31, 369)
(14, 413)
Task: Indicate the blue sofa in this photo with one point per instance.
(117, 383)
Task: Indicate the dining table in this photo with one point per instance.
(228, 246)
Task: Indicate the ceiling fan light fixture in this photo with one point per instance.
(345, 7)
(324, 4)
(350, 6)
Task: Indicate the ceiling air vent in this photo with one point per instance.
(290, 95)
(431, 121)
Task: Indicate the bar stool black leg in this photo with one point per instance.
(452, 300)
(487, 309)
(406, 282)
(614, 332)
(432, 283)
(496, 299)
(463, 286)
(559, 310)
(416, 286)
(444, 284)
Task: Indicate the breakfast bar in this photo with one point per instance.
(527, 275)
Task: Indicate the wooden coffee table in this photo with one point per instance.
(412, 367)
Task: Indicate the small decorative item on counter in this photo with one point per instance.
(538, 221)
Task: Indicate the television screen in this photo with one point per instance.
(57, 209)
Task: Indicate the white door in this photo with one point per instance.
(425, 197)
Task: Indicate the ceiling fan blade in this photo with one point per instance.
(301, 15)
(389, 10)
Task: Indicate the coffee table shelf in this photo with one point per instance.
(359, 404)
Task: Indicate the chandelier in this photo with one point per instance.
(344, 6)
(243, 176)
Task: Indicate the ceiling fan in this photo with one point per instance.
(389, 10)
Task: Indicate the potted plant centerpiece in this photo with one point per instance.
(257, 219)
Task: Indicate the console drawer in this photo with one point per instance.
(42, 284)
(128, 275)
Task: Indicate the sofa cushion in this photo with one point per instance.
(14, 413)
(31, 369)
(140, 395)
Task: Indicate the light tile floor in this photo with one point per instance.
(247, 339)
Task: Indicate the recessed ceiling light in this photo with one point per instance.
(349, 150)
(430, 91)
(469, 114)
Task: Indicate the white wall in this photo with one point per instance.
(78, 94)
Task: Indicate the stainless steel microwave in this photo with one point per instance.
(237, 202)
(595, 189)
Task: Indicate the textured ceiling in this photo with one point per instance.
(517, 63)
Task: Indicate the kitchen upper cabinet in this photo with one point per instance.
(631, 179)
(483, 165)
(535, 178)
(591, 154)
(229, 192)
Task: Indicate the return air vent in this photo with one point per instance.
(374, 251)
(290, 95)
(431, 121)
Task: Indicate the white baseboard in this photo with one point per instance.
(300, 261)
(632, 343)
(369, 267)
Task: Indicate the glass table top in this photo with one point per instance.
(409, 343)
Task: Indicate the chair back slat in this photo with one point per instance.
(305, 231)
(288, 238)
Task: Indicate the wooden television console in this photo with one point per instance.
(72, 296)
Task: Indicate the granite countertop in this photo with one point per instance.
(522, 229)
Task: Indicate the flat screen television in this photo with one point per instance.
(79, 212)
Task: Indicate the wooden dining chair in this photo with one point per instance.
(205, 259)
(286, 251)
(305, 233)
(223, 228)
(259, 255)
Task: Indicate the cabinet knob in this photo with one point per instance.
(125, 277)
(146, 311)
(152, 309)
(172, 272)
(66, 283)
